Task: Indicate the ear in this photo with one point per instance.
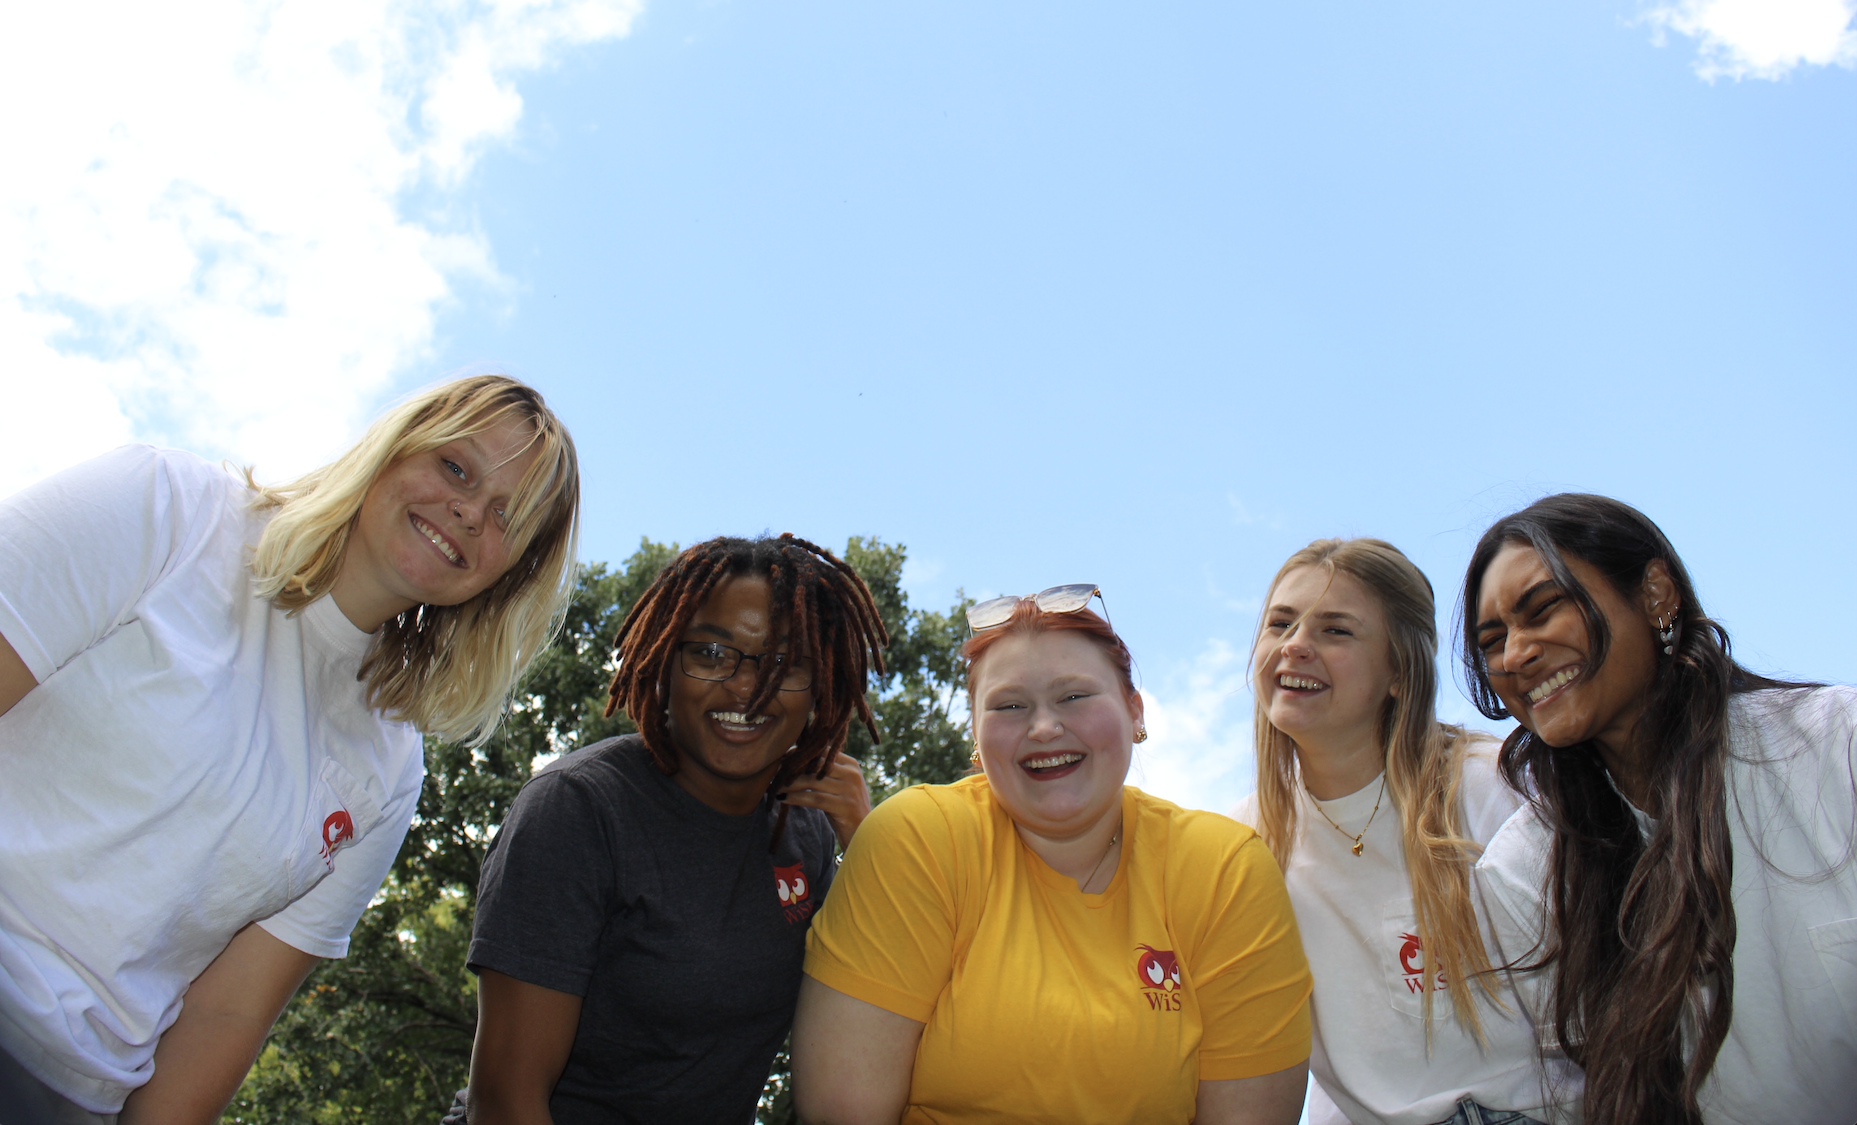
(1658, 594)
(1137, 708)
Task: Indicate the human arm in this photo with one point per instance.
(841, 795)
(1267, 1099)
(228, 1010)
(524, 1035)
(852, 1061)
(15, 678)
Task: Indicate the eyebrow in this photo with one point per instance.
(1325, 615)
(717, 630)
(1521, 603)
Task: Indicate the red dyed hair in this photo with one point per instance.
(1028, 618)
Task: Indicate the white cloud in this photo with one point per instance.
(1199, 752)
(230, 224)
(1762, 38)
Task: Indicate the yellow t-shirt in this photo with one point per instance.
(1043, 1003)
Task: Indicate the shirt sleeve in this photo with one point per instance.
(79, 549)
(320, 922)
(547, 887)
(886, 932)
(1507, 882)
(1248, 969)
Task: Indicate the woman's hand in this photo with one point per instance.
(841, 795)
(229, 1009)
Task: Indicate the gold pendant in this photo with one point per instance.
(1358, 847)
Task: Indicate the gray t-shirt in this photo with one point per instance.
(681, 933)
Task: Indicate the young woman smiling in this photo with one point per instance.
(211, 695)
(1376, 811)
(643, 911)
(1680, 895)
(1041, 942)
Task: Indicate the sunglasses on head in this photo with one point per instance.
(1057, 599)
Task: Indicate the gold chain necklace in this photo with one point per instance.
(1113, 837)
(1358, 846)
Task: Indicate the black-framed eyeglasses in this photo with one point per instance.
(995, 612)
(716, 662)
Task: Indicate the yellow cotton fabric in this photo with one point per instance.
(1039, 1001)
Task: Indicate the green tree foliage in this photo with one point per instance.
(384, 1035)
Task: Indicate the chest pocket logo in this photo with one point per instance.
(1407, 973)
(795, 891)
(340, 813)
(1159, 973)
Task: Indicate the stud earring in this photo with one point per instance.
(1141, 733)
(975, 756)
(1666, 634)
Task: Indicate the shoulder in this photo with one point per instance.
(963, 804)
(1486, 799)
(1786, 719)
(1516, 856)
(1193, 838)
(605, 768)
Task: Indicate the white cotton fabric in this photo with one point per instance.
(180, 770)
(1360, 933)
(1791, 1051)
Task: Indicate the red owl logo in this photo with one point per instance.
(790, 884)
(1411, 955)
(1158, 968)
(795, 891)
(337, 829)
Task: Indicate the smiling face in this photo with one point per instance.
(1322, 666)
(431, 529)
(727, 756)
(1538, 650)
(1056, 730)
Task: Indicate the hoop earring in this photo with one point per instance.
(1141, 733)
(975, 756)
(1666, 635)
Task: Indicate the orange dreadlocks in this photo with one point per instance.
(820, 606)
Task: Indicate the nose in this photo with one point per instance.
(1294, 646)
(469, 513)
(1519, 649)
(1045, 725)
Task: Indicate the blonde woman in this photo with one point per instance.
(1377, 811)
(211, 699)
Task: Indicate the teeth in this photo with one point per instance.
(1300, 683)
(438, 540)
(1548, 686)
(1049, 761)
(737, 719)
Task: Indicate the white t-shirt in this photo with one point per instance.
(192, 760)
(1360, 933)
(1791, 1051)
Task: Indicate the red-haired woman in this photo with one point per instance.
(642, 914)
(1041, 942)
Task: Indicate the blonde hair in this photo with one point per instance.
(446, 669)
(1424, 768)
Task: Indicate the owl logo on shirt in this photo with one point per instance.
(1412, 964)
(338, 828)
(1159, 972)
(795, 891)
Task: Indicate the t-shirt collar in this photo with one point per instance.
(325, 620)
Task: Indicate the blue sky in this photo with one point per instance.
(1049, 293)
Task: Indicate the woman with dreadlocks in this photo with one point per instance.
(642, 915)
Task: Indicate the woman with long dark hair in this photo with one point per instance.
(1679, 900)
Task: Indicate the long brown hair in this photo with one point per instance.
(1424, 768)
(819, 605)
(1642, 932)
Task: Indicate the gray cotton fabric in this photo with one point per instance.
(682, 934)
